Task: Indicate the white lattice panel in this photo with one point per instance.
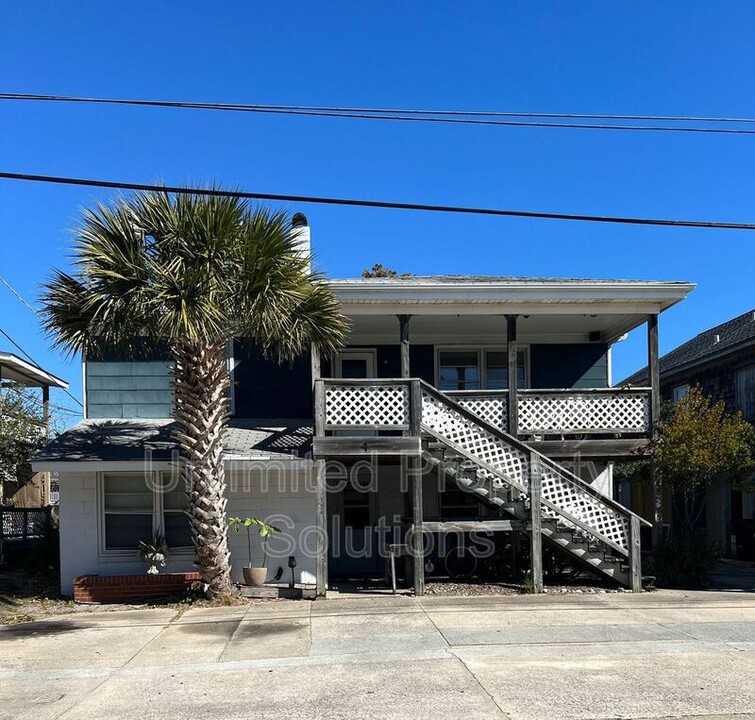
(573, 499)
(492, 409)
(443, 419)
(366, 406)
(584, 412)
(558, 487)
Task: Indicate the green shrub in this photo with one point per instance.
(685, 561)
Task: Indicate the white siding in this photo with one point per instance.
(288, 501)
(291, 500)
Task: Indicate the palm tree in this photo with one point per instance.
(192, 271)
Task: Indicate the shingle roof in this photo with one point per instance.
(482, 279)
(127, 440)
(718, 340)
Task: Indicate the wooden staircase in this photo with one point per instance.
(557, 506)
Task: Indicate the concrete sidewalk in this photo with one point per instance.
(568, 656)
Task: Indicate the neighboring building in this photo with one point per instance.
(495, 384)
(721, 361)
(40, 489)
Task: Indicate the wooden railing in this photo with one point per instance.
(611, 411)
(385, 404)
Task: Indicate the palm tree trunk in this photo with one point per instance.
(200, 379)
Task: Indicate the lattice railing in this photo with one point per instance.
(492, 405)
(568, 412)
(379, 405)
(504, 460)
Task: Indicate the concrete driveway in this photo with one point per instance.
(568, 656)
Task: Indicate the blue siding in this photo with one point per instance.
(569, 366)
(128, 389)
(265, 389)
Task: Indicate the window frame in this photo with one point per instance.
(684, 386)
(482, 350)
(158, 510)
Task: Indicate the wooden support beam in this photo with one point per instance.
(655, 415)
(598, 449)
(635, 564)
(536, 536)
(46, 409)
(513, 399)
(455, 526)
(404, 335)
(316, 362)
(654, 371)
(319, 409)
(414, 463)
(321, 499)
(338, 446)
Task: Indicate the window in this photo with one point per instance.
(478, 369)
(356, 507)
(497, 369)
(135, 508)
(746, 392)
(459, 370)
(680, 392)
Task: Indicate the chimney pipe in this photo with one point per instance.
(301, 235)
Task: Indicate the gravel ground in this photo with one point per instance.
(473, 589)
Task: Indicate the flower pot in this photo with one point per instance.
(255, 576)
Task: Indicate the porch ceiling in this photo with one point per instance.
(491, 329)
(550, 310)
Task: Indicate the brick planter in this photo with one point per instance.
(131, 588)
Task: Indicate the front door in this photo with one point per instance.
(355, 364)
(352, 511)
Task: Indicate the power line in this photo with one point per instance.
(35, 363)
(60, 180)
(431, 116)
(18, 295)
(39, 402)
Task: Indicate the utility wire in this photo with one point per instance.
(37, 401)
(18, 295)
(60, 180)
(432, 116)
(36, 364)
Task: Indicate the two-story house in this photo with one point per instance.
(721, 361)
(467, 403)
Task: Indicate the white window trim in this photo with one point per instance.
(481, 350)
(683, 386)
(157, 519)
(357, 353)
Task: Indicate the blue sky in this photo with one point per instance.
(676, 58)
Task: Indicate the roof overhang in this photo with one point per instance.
(615, 306)
(375, 296)
(18, 370)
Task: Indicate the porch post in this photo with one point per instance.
(321, 500)
(404, 334)
(536, 536)
(46, 409)
(316, 363)
(655, 413)
(320, 484)
(513, 410)
(414, 463)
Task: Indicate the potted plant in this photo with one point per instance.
(255, 576)
(153, 551)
